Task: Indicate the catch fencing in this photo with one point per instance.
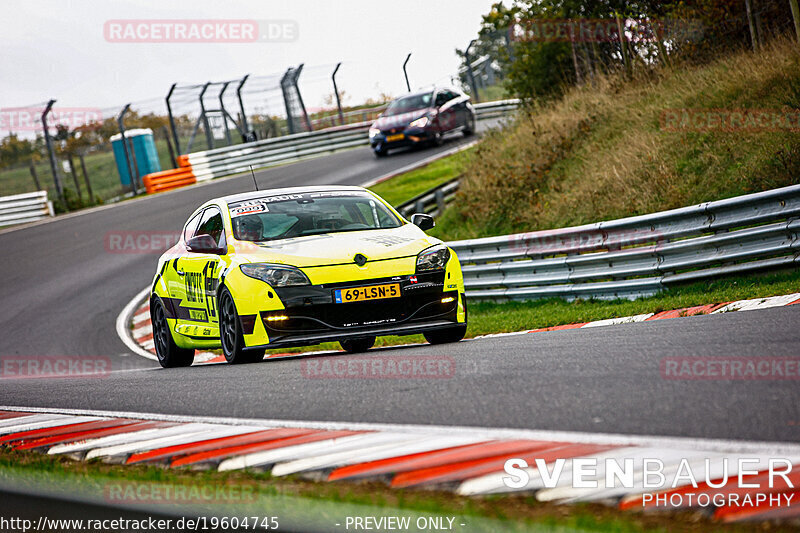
(220, 162)
(21, 208)
(637, 256)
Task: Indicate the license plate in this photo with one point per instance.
(398, 137)
(360, 294)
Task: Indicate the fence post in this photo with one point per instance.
(204, 117)
(133, 160)
(35, 177)
(285, 91)
(245, 127)
(470, 74)
(169, 147)
(86, 179)
(51, 153)
(225, 112)
(172, 121)
(121, 124)
(300, 96)
(405, 72)
(72, 171)
(336, 92)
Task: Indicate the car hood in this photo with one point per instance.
(401, 120)
(338, 248)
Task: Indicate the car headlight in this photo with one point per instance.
(373, 132)
(275, 275)
(420, 122)
(434, 258)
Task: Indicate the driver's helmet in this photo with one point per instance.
(249, 227)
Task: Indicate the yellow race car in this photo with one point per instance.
(300, 266)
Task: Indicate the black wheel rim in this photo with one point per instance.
(160, 331)
(228, 329)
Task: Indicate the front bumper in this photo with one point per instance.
(312, 316)
(411, 136)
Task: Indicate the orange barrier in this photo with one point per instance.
(168, 179)
(183, 161)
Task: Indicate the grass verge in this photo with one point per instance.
(294, 496)
(404, 187)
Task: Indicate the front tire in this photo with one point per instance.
(444, 336)
(469, 126)
(380, 152)
(230, 333)
(357, 345)
(169, 354)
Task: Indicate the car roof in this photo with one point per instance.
(261, 193)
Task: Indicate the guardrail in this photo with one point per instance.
(432, 201)
(220, 162)
(637, 256)
(22, 208)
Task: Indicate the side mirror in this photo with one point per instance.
(204, 244)
(425, 222)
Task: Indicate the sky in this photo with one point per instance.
(58, 49)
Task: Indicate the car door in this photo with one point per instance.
(448, 110)
(198, 316)
(446, 114)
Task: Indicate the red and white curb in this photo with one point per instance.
(134, 328)
(465, 460)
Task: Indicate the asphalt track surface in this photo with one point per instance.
(62, 292)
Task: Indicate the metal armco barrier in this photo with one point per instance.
(220, 162)
(432, 201)
(637, 256)
(22, 208)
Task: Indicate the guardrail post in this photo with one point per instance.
(405, 72)
(470, 74)
(172, 120)
(204, 117)
(245, 127)
(336, 93)
(121, 124)
(440, 203)
(50, 152)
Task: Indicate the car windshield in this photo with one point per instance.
(409, 103)
(296, 215)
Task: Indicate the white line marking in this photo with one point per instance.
(122, 326)
(718, 445)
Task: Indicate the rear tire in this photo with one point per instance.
(230, 333)
(169, 354)
(443, 336)
(357, 345)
